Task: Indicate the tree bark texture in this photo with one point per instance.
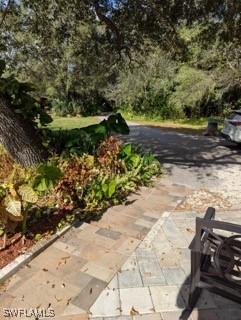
(19, 137)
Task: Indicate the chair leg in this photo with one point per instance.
(195, 291)
(193, 297)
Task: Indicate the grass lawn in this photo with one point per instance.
(68, 123)
(181, 125)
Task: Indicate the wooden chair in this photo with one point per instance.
(215, 259)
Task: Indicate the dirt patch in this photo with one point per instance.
(16, 244)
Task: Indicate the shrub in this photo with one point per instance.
(21, 189)
(84, 140)
(194, 89)
(87, 104)
(145, 87)
(80, 185)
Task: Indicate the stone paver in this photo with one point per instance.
(151, 271)
(166, 298)
(97, 271)
(130, 279)
(160, 269)
(72, 310)
(74, 272)
(88, 296)
(174, 275)
(107, 304)
(136, 299)
(109, 233)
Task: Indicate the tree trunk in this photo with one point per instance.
(19, 137)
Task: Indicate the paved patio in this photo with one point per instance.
(132, 264)
(71, 274)
(153, 283)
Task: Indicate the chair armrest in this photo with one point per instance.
(209, 215)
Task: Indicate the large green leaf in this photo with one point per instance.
(100, 130)
(13, 207)
(135, 160)
(47, 177)
(28, 194)
(104, 187)
(112, 188)
(126, 150)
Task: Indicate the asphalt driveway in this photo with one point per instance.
(193, 159)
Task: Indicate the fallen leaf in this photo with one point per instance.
(58, 300)
(133, 312)
(65, 258)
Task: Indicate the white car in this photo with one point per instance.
(232, 127)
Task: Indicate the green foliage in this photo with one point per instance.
(28, 194)
(16, 202)
(86, 104)
(87, 139)
(194, 88)
(19, 94)
(21, 189)
(145, 87)
(144, 166)
(84, 65)
(65, 142)
(131, 158)
(62, 108)
(46, 177)
(86, 184)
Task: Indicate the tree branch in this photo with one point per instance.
(4, 14)
(110, 24)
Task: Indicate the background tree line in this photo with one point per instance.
(163, 59)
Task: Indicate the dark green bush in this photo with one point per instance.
(87, 104)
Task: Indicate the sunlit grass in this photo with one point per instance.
(196, 124)
(68, 123)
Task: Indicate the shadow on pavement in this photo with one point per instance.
(197, 154)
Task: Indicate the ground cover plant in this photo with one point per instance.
(37, 201)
